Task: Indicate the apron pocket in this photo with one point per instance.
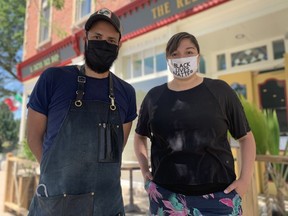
(79, 205)
(65, 205)
(108, 143)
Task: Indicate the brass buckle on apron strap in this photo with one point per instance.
(81, 79)
(112, 106)
(79, 93)
(78, 103)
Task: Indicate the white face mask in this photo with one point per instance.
(183, 67)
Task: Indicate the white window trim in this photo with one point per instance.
(263, 65)
(42, 43)
(78, 24)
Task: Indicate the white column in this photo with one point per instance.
(286, 42)
(23, 118)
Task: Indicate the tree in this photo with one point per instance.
(12, 22)
(12, 16)
(9, 128)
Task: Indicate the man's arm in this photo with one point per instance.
(36, 128)
(126, 131)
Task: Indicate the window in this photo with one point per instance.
(202, 66)
(127, 68)
(278, 49)
(144, 63)
(148, 65)
(148, 61)
(44, 21)
(273, 96)
(143, 87)
(240, 89)
(249, 56)
(83, 8)
(221, 62)
(161, 64)
(137, 65)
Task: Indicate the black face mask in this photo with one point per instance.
(100, 55)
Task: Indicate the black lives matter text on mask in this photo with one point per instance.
(182, 69)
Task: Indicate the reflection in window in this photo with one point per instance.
(83, 8)
(127, 68)
(240, 89)
(249, 56)
(148, 65)
(221, 62)
(137, 65)
(161, 64)
(144, 63)
(44, 21)
(143, 87)
(273, 96)
(278, 49)
(202, 66)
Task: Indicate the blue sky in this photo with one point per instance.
(17, 87)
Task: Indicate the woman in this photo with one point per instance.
(187, 120)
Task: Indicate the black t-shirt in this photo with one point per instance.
(190, 153)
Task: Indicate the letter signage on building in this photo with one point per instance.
(157, 11)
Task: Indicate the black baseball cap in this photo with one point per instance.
(104, 14)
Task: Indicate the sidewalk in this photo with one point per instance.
(140, 198)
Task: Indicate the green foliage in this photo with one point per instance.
(258, 125)
(25, 151)
(12, 22)
(58, 4)
(274, 132)
(12, 16)
(265, 128)
(9, 128)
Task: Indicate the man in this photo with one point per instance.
(79, 119)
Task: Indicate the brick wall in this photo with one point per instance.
(62, 23)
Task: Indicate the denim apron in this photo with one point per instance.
(80, 174)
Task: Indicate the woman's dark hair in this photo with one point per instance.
(175, 40)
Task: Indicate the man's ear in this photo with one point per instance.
(120, 44)
(85, 38)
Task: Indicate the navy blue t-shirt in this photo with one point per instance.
(56, 88)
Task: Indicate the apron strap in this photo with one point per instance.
(111, 93)
(81, 79)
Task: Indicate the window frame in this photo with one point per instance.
(44, 4)
(80, 20)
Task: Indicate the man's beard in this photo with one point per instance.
(98, 68)
(100, 59)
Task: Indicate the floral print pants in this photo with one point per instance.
(166, 203)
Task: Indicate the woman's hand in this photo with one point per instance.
(240, 186)
(147, 176)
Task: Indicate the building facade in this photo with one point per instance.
(244, 42)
